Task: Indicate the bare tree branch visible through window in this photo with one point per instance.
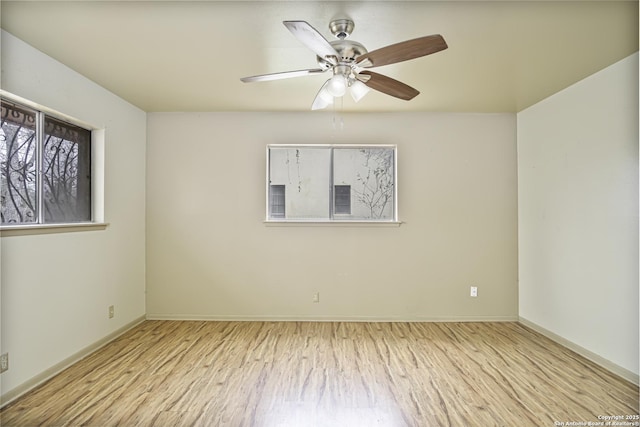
(376, 190)
(64, 153)
(18, 165)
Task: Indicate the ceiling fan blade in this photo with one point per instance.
(283, 75)
(388, 85)
(402, 51)
(311, 38)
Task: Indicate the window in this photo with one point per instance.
(45, 168)
(331, 183)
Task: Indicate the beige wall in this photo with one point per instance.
(56, 288)
(578, 214)
(210, 256)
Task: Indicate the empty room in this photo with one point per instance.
(319, 213)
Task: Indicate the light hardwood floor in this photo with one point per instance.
(173, 373)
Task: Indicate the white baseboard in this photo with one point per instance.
(32, 383)
(595, 358)
(329, 318)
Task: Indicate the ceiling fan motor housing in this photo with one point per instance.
(348, 51)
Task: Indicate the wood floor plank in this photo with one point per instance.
(172, 373)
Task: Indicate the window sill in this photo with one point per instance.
(334, 223)
(29, 230)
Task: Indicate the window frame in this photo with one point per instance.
(96, 165)
(334, 219)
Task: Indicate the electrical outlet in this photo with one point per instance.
(4, 362)
(111, 312)
(316, 297)
(474, 291)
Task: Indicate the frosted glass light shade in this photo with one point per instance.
(323, 98)
(358, 90)
(337, 85)
(320, 103)
(325, 95)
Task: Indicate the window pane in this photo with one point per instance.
(370, 173)
(304, 172)
(342, 202)
(17, 165)
(277, 201)
(66, 172)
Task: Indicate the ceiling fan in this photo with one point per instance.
(349, 62)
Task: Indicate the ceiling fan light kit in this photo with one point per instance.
(349, 60)
(336, 87)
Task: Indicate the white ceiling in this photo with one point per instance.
(503, 56)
